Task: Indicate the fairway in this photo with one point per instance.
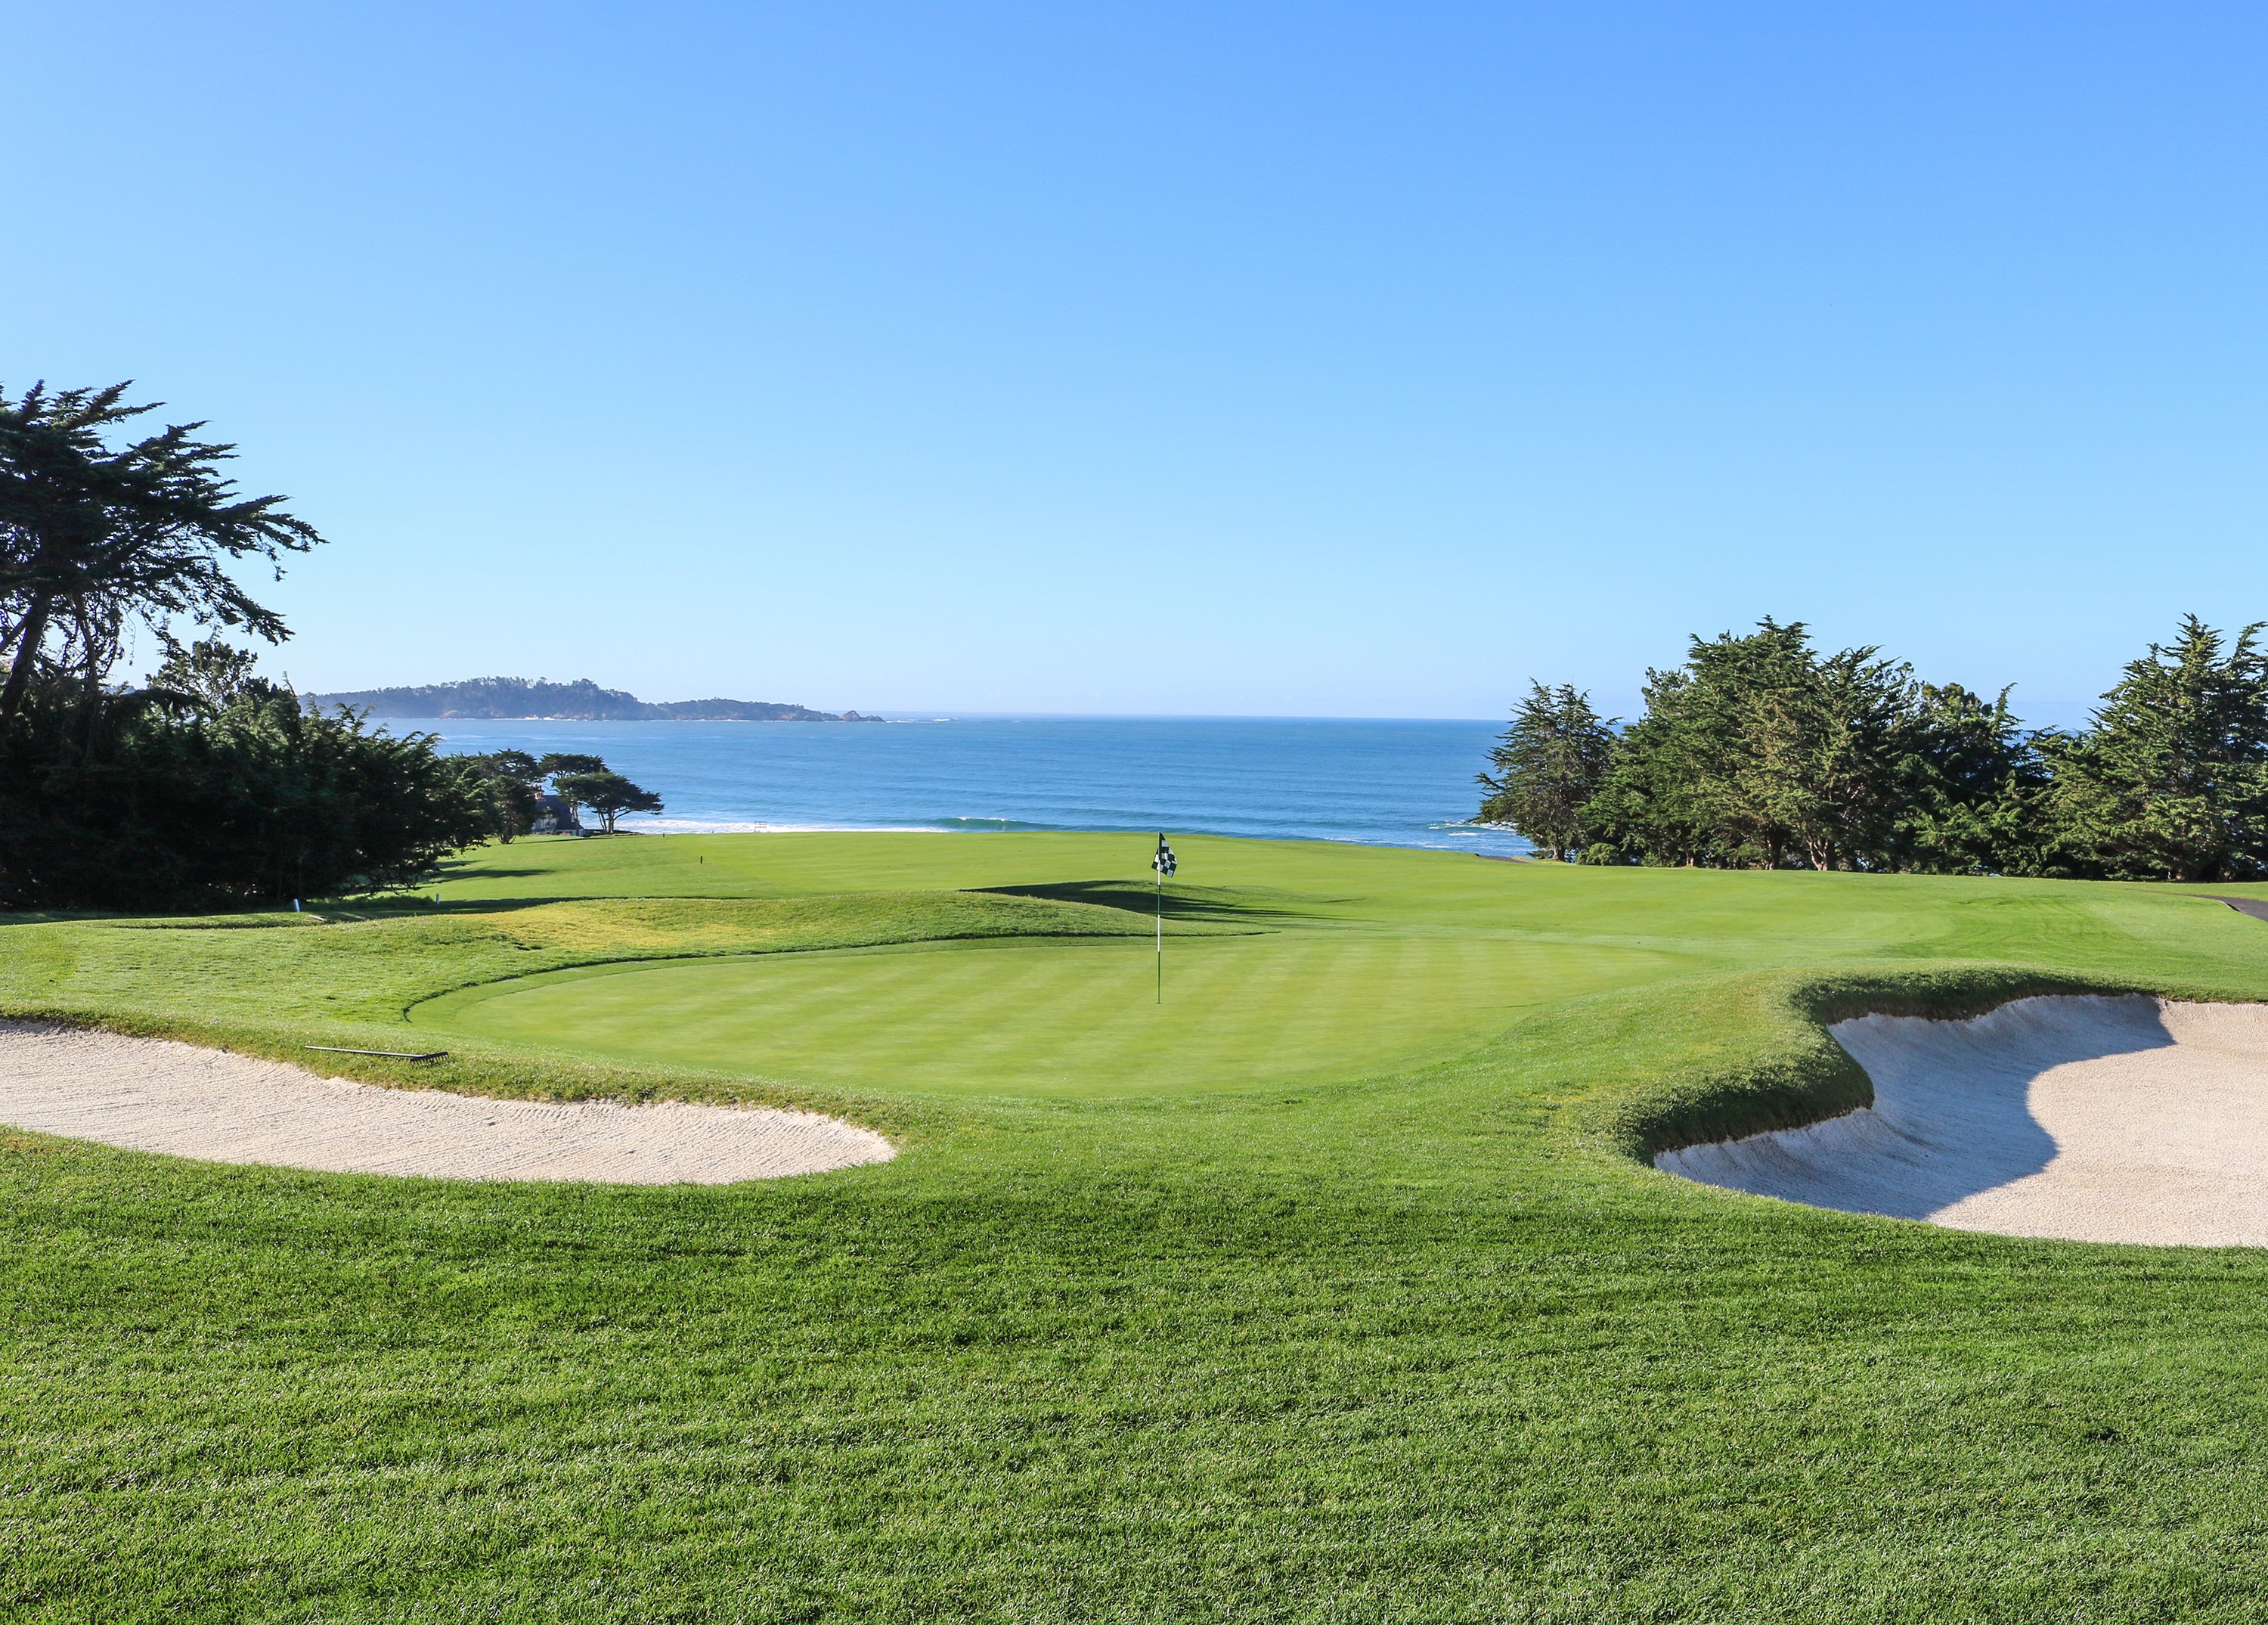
(1337, 1288)
(1059, 1017)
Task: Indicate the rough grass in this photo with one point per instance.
(1420, 1344)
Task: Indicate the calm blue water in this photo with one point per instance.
(1394, 784)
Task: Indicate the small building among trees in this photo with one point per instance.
(555, 815)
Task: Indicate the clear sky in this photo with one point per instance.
(1282, 360)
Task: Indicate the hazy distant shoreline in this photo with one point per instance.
(516, 699)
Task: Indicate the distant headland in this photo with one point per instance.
(516, 699)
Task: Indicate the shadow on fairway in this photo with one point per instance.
(1204, 905)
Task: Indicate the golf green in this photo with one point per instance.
(1056, 1017)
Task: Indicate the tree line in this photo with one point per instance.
(514, 782)
(1761, 751)
(207, 785)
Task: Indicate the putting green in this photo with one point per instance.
(1056, 1017)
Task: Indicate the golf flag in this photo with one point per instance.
(1164, 861)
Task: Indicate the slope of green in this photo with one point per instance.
(373, 963)
(1390, 1332)
(1036, 1017)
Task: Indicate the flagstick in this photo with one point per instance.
(1163, 865)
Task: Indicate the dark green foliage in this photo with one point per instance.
(1646, 805)
(558, 765)
(208, 676)
(1759, 752)
(92, 539)
(513, 765)
(2172, 781)
(213, 786)
(587, 781)
(509, 781)
(258, 800)
(606, 793)
(1548, 766)
(1967, 791)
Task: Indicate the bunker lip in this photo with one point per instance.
(2083, 1117)
(181, 1100)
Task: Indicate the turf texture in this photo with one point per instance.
(1332, 1295)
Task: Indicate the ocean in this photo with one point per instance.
(1378, 783)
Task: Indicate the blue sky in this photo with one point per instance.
(1263, 359)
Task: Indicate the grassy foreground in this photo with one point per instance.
(1332, 1292)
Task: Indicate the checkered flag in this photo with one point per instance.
(1164, 861)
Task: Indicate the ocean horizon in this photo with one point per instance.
(1370, 781)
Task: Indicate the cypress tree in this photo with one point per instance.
(2171, 783)
(1549, 764)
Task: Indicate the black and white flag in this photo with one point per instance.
(1164, 861)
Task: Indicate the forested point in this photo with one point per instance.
(1762, 752)
(512, 698)
(206, 786)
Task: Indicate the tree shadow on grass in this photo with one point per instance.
(1198, 904)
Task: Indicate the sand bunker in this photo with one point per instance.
(153, 1095)
(2092, 1118)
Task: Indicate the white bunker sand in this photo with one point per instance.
(155, 1094)
(2092, 1118)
